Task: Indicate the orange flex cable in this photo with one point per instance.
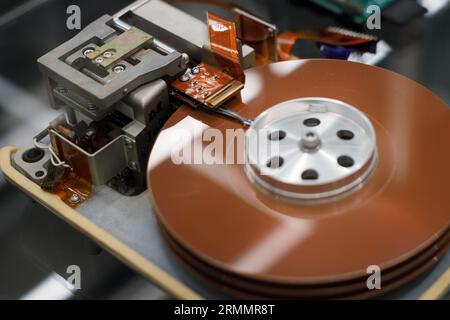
(258, 34)
(331, 36)
(223, 37)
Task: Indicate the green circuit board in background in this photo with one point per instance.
(354, 8)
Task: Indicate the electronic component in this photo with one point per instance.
(338, 184)
(207, 85)
(112, 78)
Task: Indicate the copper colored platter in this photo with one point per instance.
(222, 219)
(236, 286)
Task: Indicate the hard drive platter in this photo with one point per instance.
(359, 178)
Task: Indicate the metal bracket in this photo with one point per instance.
(63, 69)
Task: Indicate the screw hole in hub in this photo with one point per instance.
(310, 174)
(345, 161)
(345, 134)
(311, 122)
(277, 135)
(275, 162)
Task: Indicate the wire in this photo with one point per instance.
(55, 160)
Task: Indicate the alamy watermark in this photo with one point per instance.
(199, 144)
(374, 280)
(73, 21)
(73, 282)
(374, 19)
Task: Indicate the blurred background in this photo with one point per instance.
(35, 246)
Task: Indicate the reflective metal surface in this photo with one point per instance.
(219, 217)
(316, 148)
(36, 247)
(32, 27)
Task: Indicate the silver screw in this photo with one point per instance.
(90, 132)
(74, 198)
(310, 141)
(185, 77)
(129, 143)
(88, 51)
(132, 165)
(108, 54)
(196, 70)
(99, 59)
(184, 60)
(119, 68)
(62, 90)
(91, 107)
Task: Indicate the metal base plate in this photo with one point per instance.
(126, 227)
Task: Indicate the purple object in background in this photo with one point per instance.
(335, 52)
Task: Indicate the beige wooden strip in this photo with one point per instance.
(438, 289)
(105, 239)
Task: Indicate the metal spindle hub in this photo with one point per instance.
(310, 148)
(310, 142)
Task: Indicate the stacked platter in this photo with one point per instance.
(354, 185)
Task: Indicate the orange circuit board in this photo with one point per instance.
(208, 86)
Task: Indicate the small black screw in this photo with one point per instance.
(39, 173)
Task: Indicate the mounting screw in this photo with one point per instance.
(108, 54)
(90, 133)
(129, 143)
(91, 107)
(185, 77)
(184, 60)
(61, 89)
(88, 51)
(132, 165)
(74, 198)
(195, 70)
(39, 173)
(99, 59)
(119, 68)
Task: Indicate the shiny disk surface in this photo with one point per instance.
(215, 215)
